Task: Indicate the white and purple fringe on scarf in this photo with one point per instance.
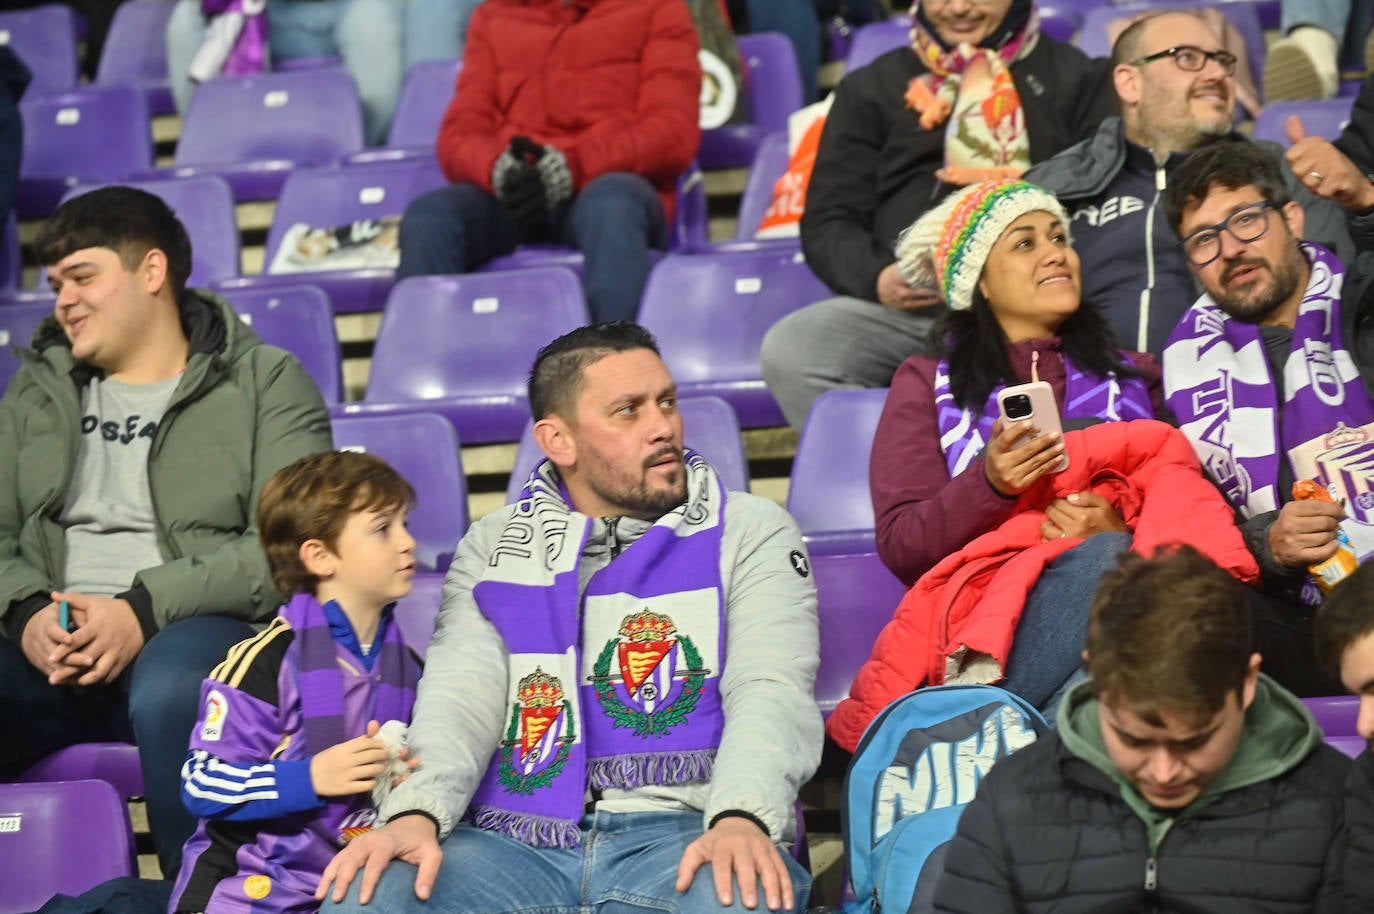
(235, 40)
(322, 688)
(963, 436)
(530, 594)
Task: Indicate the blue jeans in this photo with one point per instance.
(154, 703)
(365, 33)
(1347, 20)
(627, 865)
(1048, 648)
(615, 220)
(437, 29)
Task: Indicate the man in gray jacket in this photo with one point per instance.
(133, 442)
(619, 688)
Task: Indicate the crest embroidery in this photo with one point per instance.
(659, 677)
(533, 752)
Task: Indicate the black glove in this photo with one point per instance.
(522, 195)
(526, 150)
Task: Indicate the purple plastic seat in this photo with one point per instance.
(135, 53)
(115, 763)
(770, 162)
(17, 323)
(1061, 20)
(67, 837)
(1092, 37)
(876, 39)
(90, 135)
(254, 130)
(462, 346)
(425, 95)
(1320, 117)
(299, 320)
(775, 91)
(689, 232)
(1335, 715)
(416, 613)
(858, 596)
(1349, 745)
(828, 493)
(205, 205)
(709, 426)
(423, 448)
(710, 312)
(45, 39)
(342, 196)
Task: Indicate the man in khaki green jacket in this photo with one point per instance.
(133, 443)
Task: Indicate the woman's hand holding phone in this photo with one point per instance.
(1016, 456)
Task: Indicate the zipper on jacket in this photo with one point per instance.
(1142, 332)
(610, 532)
(1151, 874)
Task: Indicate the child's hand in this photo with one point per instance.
(410, 765)
(348, 768)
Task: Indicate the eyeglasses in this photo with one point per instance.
(1249, 223)
(1192, 59)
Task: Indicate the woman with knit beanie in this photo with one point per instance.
(1003, 549)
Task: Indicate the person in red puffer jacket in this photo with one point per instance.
(571, 122)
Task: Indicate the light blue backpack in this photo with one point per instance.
(918, 765)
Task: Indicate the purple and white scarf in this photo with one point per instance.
(321, 685)
(235, 42)
(964, 435)
(618, 688)
(1217, 380)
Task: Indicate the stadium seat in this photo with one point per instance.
(17, 323)
(416, 613)
(45, 39)
(424, 449)
(345, 203)
(775, 91)
(205, 205)
(115, 763)
(462, 346)
(1092, 37)
(1335, 715)
(710, 312)
(298, 319)
(135, 53)
(92, 135)
(254, 130)
(425, 94)
(1349, 745)
(66, 836)
(876, 39)
(1320, 117)
(709, 426)
(1061, 20)
(828, 493)
(857, 596)
(770, 162)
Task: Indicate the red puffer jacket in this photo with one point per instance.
(613, 84)
(971, 601)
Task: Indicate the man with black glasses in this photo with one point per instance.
(1176, 93)
(1269, 374)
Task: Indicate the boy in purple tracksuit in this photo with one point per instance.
(285, 755)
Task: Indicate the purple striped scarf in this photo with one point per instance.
(248, 53)
(321, 686)
(618, 688)
(963, 435)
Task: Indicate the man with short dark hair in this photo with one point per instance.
(133, 442)
(619, 689)
(1176, 93)
(1179, 778)
(1270, 376)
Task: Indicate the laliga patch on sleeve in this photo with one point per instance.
(799, 563)
(216, 712)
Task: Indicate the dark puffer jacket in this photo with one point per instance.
(1359, 820)
(1050, 830)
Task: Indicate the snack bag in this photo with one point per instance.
(1329, 573)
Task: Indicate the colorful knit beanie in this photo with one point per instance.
(949, 244)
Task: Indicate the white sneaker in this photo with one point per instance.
(1301, 66)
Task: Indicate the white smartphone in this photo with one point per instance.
(1034, 401)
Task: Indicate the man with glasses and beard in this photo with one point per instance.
(1269, 374)
(619, 689)
(1176, 93)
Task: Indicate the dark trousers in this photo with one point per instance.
(614, 222)
(154, 703)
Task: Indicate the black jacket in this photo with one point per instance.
(1359, 848)
(875, 169)
(1049, 831)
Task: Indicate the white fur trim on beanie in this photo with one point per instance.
(948, 246)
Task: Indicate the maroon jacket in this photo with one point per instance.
(613, 84)
(921, 514)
